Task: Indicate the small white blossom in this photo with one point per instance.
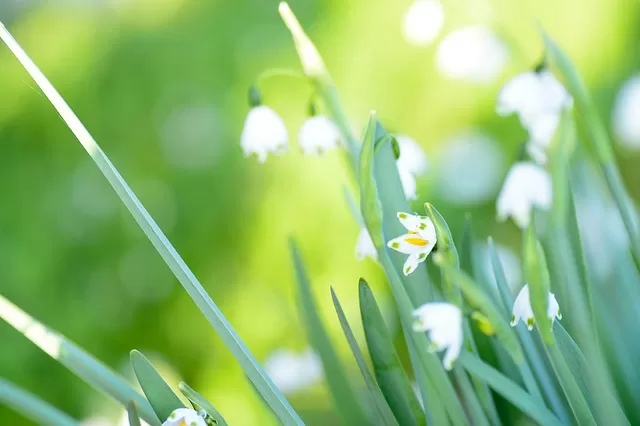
(626, 111)
(473, 54)
(423, 22)
(522, 309)
(365, 247)
(443, 322)
(526, 186)
(417, 242)
(185, 417)
(318, 134)
(409, 185)
(292, 372)
(412, 157)
(263, 132)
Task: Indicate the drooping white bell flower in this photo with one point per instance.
(417, 243)
(185, 417)
(522, 309)
(443, 322)
(263, 132)
(412, 157)
(318, 134)
(474, 54)
(292, 372)
(526, 186)
(365, 247)
(423, 22)
(626, 110)
(409, 185)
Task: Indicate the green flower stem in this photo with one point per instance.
(171, 257)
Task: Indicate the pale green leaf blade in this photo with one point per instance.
(132, 414)
(344, 398)
(157, 391)
(32, 407)
(537, 275)
(200, 403)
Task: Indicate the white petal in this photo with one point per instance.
(184, 416)
(365, 247)
(626, 110)
(292, 372)
(553, 308)
(436, 314)
(452, 353)
(264, 132)
(423, 22)
(526, 185)
(408, 181)
(411, 264)
(415, 223)
(443, 322)
(317, 135)
(412, 158)
(516, 93)
(543, 128)
(522, 308)
(409, 244)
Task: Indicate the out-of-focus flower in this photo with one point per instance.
(318, 134)
(185, 417)
(412, 162)
(473, 54)
(423, 22)
(470, 169)
(292, 372)
(626, 114)
(365, 247)
(263, 132)
(526, 186)
(443, 322)
(522, 309)
(417, 242)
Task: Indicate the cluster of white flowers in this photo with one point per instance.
(264, 132)
(185, 417)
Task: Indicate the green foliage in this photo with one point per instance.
(200, 403)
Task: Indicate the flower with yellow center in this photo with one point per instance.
(417, 242)
(185, 417)
(522, 309)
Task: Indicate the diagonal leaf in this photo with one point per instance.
(508, 389)
(32, 407)
(391, 376)
(210, 310)
(376, 397)
(79, 362)
(132, 414)
(200, 403)
(344, 399)
(157, 391)
(446, 249)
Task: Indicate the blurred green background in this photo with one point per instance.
(162, 84)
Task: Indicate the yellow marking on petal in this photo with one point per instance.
(412, 232)
(416, 241)
(182, 423)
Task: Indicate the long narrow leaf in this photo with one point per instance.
(171, 257)
(32, 407)
(79, 362)
(132, 414)
(344, 399)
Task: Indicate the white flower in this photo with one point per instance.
(417, 242)
(522, 309)
(526, 186)
(412, 157)
(474, 54)
(443, 321)
(185, 417)
(409, 185)
(292, 372)
(263, 132)
(423, 22)
(365, 247)
(318, 134)
(626, 113)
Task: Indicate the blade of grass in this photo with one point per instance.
(376, 397)
(132, 414)
(200, 403)
(169, 254)
(32, 407)
(344, 399)
(79, 362)
(157, 391)
(391, 376)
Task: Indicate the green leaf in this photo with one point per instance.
(200, 403)
(32, 407)
(157, 391)
(376, 397)
(343, 397)
(478, 299)
(132, 414)
(599, 139)
(447, 249)
(74, 358)
(391, 376)
(508, 389)
(153, 232)
(537, 275)
(562, 146)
